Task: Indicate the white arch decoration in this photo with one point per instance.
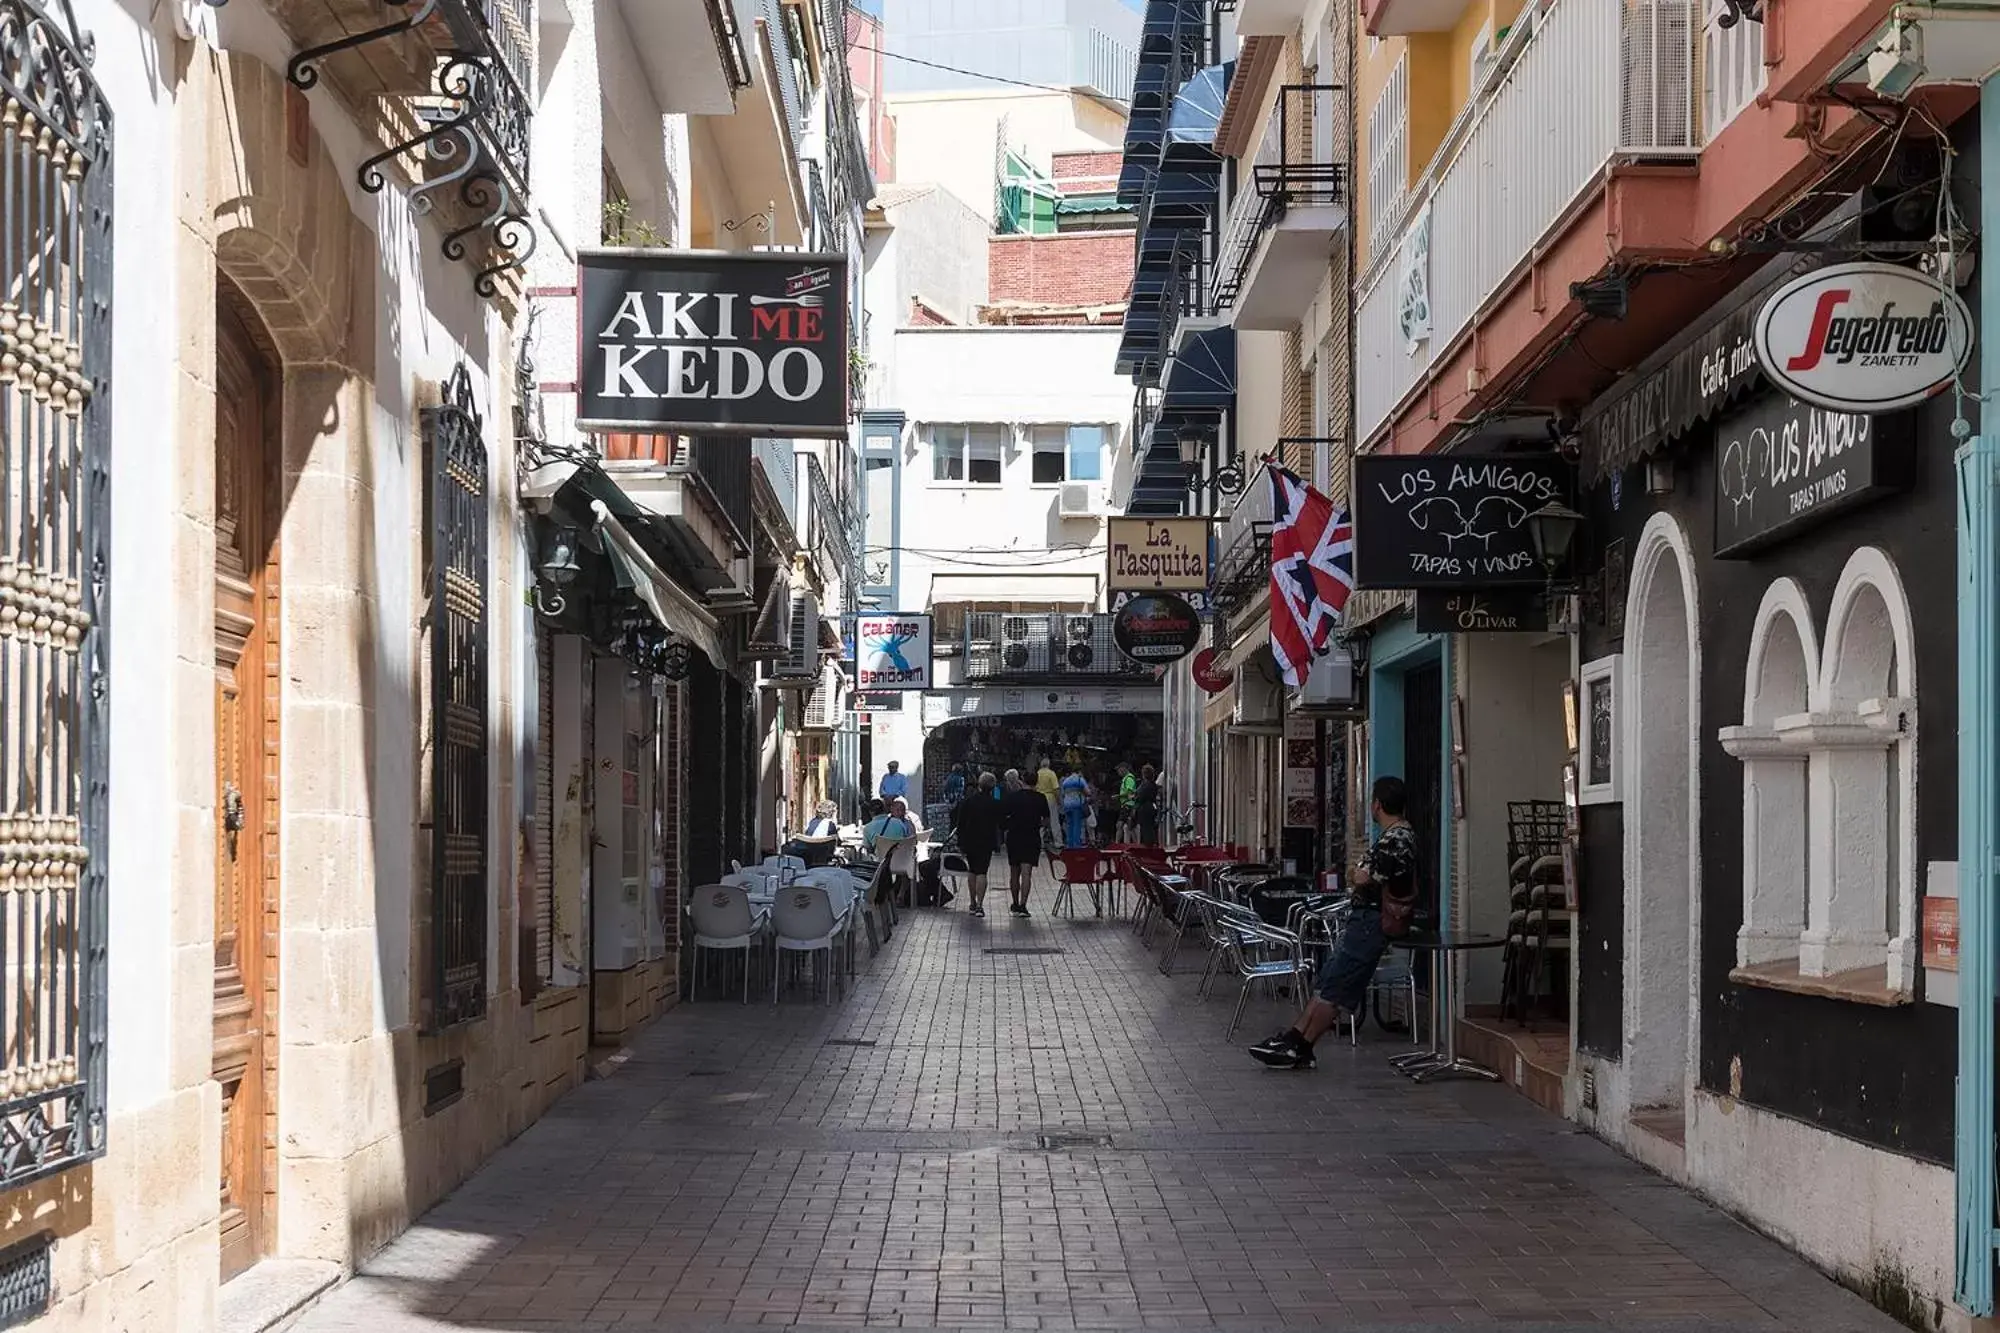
(1775, 805)
(1868, 568)
(1662, 785)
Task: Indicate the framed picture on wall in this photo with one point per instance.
(1569, 716)
(1458, 788)
(1457, 724)
(1569, 873)
(1572, 824)
(1597, 751)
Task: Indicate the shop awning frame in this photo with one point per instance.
(668, 601)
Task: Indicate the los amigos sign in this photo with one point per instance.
(711, 343)
(1863, 337)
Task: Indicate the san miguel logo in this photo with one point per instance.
(701, 342)
(1863, 337)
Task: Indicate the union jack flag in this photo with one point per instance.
(1312, 572)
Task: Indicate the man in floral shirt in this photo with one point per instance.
(1390, 868)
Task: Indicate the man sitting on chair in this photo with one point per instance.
(897, 833)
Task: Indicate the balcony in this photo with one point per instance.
(835, 530)
(702, 490)
(1281, 231)
(1401, 18)
(454, 83)
(1587, 86)
(692, 51)
(1052, 646)
(760, 140)
(778, 468)
(1269, 18)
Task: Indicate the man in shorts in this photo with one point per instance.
(1341, 987)
(1024, 816)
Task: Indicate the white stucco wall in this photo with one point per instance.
(954, 138)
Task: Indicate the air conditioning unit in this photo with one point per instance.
(1657, 110)
(799, 665)
(1257, 700)
(1078, 646)
(1024, 644)
(822, 710)
(1331, 685)
(1077, 499)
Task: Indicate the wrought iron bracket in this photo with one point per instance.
(475, 147)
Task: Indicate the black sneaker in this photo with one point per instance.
(1294, 1055)
(1019, 909)
(1276, 1041)
(976, 910)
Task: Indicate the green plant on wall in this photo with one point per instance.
(621, 228)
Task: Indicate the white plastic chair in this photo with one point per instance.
(724, 921)
(787, 868)
(803, 921)
(842, 892)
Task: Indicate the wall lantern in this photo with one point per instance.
(559, 569)
(1553, 529)
(1659, 476)
(1190, 440)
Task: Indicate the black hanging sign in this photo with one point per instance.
(712, 343)
(1485, 610)
(1782, 465)
(1156, 628)
(1446, 521)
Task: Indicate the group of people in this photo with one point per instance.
(1091, 808)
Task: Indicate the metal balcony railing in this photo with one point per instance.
(779, 461)
(472, 118)
(722, 468)
(1584, 85)
(1043, 646)
(833, 535)
(1299, 163)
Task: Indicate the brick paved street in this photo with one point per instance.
(752, 1166)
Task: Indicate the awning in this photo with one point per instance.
(1247, 645)
(1197, 107)
(1202, 374)
(668, 602)
(771, 635)
(1070, 589)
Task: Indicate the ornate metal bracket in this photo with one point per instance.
(1735, 11)
(474, 148)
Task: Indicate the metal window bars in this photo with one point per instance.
(475, 125)
(55, 344)
(460, 835)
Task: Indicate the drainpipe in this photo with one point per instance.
(1978, 460)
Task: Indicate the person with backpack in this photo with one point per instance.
(1384, 895)
(1073, 798)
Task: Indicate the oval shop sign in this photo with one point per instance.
(1863, 337)
(1156, 629)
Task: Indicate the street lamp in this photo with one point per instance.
(559, 569)
(1553, 529)
(1190, 439)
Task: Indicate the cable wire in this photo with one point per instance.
(955, 69)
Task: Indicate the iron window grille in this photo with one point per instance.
(55, 418)
(460, 841)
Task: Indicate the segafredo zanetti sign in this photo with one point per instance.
(710, 343)
(1863, 337)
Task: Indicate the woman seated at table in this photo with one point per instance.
(896, 831)
(821, 838)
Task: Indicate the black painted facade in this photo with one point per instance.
(1883, 1076)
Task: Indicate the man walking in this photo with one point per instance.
(894, 784)
(1024, 815)
(1388, 870)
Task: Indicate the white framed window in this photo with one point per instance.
(1066, 453)
(1480, 60)
(1732, 67)
(1597, 755)
(969, 455)
(1388, 152)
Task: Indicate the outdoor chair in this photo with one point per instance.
(724, 922)
(1224, 921)
(1179, 908)
(803, 922)
(1071, 867)
(1260, 952)
(843, 893)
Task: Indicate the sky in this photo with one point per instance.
(875, 6)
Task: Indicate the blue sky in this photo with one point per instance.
(875, 6)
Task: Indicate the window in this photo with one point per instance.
(1388, 153)
(1732, 69)
(1067, 453)
(970, 454)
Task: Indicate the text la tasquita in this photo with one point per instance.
(710, 346)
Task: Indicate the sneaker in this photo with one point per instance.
(976, 910)
(1275, 1041)
(1296, 1055)
(1019, 909)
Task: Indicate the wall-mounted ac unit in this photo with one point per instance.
(1257, 700)
(1077, 499)
(1024, 643)
(1332, 685)
(799, 664)
(823, 705)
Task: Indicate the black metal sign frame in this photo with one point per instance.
(1450, 520)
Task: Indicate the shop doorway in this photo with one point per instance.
(246, 768)
(1661, 828)
(1423, 773)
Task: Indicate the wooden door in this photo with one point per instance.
(245, 772)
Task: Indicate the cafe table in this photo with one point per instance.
(1441, 1059)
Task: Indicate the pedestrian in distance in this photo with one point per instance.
(1146, 807)
(1074, 803)
(1385, 877)
(976, 823)
(1025, 823)
(894, 784)
(954, 785)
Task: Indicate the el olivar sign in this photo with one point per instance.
(1158, 555)
(1782, 465)
(708, 343)
(1863, 337)
(1438, 522)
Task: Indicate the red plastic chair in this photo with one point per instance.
(1074, 866)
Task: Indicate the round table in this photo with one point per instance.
(1436, 1061)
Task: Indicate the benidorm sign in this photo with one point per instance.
(1863, 337)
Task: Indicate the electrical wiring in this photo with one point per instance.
(955, 69)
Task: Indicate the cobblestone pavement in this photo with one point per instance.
(875, 1164)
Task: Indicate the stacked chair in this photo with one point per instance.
(1540, 915)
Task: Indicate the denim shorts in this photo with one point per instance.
(1344, 976)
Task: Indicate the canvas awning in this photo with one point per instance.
(1247, 645)
(669, 603)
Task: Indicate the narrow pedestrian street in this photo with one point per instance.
(880, 1163)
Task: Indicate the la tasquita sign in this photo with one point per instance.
(704, 342)
(1158, 554)
(1863, 337)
